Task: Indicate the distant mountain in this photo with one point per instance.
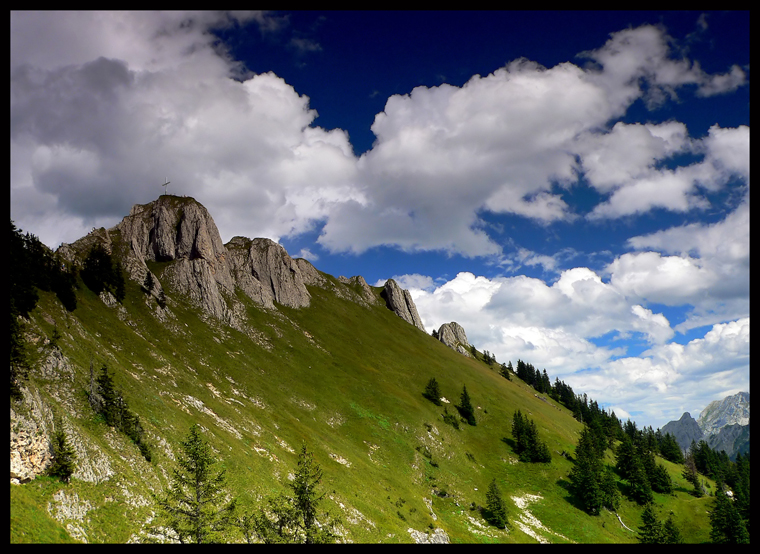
(729, 411)
(684, 430)
(723, 424)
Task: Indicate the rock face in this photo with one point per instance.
(400, 301)
(729, 411)
(265, 271)
(723, 424)
(453, 335)
(684, 430)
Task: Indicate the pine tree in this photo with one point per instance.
(726, 524)
(64, 456)
(432, 392)
(650, 530)
(465, 407)
(293, 519)
(195, 506)
(670, 532)
(496, 511)
(586, 474)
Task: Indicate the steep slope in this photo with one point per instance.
(731, 410)
(342, 374)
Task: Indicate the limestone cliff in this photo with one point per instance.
(453, 335)
(684, 430)
(265, 271)
(400, 301)
(731, 410)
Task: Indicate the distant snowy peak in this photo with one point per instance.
(729, 411)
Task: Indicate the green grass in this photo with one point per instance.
(352, 393)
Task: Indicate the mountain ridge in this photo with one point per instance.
(344, 374)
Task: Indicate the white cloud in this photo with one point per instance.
(144, 95)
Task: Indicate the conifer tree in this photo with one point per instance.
(465, 407)
(64, 456)
(726, 524)
(433, 392)
(586, 473)
(293, 519)
(650, 530)
(671, 534)
(195, 507)
(496, 511)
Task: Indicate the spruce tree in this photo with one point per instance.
(195, 506)
(465, 407)
(726, 524)
(586, 473)
(293, 519)
(432, 392)
(650, 530)
(496, 511)
(64, 456)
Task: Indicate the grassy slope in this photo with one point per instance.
(345, 380)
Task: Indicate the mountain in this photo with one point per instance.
(729, 411)
(267, 353)
(685, 430)
(723, 425)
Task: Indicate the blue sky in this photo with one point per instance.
(571, 187)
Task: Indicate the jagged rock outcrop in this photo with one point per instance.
(362, 293)
(453, 335)
(684, 430)
(729, 411)
(723, 425)
(400, 301)
(267, 262)
(732, 439)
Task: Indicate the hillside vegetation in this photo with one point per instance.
(344, 379)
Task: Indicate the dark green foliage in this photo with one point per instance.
(108, 401)
(653, 531)
(690, 474)
(529, 447)
(194, 508)
(64, 457)
(650, 530)
(465, 407)
(19, 360)
(451, 419)
(669, 449)
(432, 392)
(586, 474)
(726, 523)
(506, 371)
(101, 273)
(591, 481)
(293, 519)
(33, 267)
(495, 512)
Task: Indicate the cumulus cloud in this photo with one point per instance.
(146, 95)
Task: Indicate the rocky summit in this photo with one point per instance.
(453, 335)
(400, 301)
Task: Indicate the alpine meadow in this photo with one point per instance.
(303, 408)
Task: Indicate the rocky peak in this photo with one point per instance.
(400, 301)
(453, 335)
(684, 430)
(266, 262)
(720, 413)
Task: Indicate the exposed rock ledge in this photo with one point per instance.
(400, 301)
(453, 335)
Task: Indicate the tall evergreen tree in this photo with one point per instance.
(293, 519)
(465, 407)
(64, 456)
(432, 392)
(496, 511)
(650, 530)
(586, 473)
(726, 524)
(195, 506)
